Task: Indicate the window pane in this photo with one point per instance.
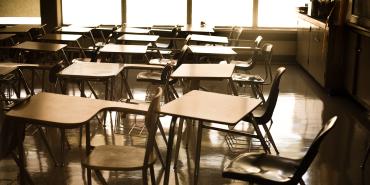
(222, 12)
(151, 12)
(91, 12)
(20, 12)
(273, 13)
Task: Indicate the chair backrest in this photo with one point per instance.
(181, 56)
(151, 123)
(234, 36)
(314, 149)
(270, 104)
(267, 56)
(54, 70)
(258, 41)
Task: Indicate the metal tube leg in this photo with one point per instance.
(197, 153)
(62, 140)
(269, 136)
(88, 148)
(260, 136)
(169, 151)
(178, 142)
(43, 138)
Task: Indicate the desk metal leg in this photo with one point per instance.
(88, 149)
(169, 151)
(363, 164)
(233, 88)
(260, 136)
(178, 142)
(197, 152)
(22, 165)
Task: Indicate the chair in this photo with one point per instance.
(269, 169)
(248, 64)
(234, 35)
(129, 158)
(157, 78)
(256, 81)
(169, 33)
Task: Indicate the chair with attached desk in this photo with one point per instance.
(263, 115)
(129, 158)
(264, 168)
(257, 81)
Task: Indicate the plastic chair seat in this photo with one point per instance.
(112, 157)
(162, 61)
(262, 168)
(245, 78)
(153, 77)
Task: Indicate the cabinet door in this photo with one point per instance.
(303, 43)
(350, 64)
(317, 54)
(363, 74)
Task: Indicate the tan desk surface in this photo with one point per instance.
(209, 39)
(4, 70)
(132, 30)
(73, 29)
(211, 50)
(19, 28)
(40, 46)
(61, 37)
(196, 28)
(213, 107)
(6, 36)
(138, 37)
(91, 70)
(121, 48)
(67, 111)
(200, 71)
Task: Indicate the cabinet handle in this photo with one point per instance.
(358, 50)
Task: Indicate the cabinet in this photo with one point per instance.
(357, 63)
(312, 47)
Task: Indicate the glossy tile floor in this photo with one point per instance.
(301, 109)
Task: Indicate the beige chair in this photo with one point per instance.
(254, 80)
(128, 158)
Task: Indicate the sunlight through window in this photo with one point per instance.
(272, 13)
(149, 12)
(223, 13)
(91, 12)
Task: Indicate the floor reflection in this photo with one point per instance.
(301, 109)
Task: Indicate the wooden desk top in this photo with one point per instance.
(190, 28)
(4, 70)
(72, 29)
(212, 50)
(67, 111)
(39, 46)
(132, 30)
(137, 37)
(60, 37)
(18, 65)
(121, 48)
(204, 71)
(6, 36)
(22, 28)
(209, 39)
(212, 107)
(91, 70)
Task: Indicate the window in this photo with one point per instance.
(20, 12)
(91, 12)
(273, 13)
(151, 12)
(222, 12)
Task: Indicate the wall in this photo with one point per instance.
(19, 8)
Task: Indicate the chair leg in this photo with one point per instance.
(145, 176)
(160, 127)
(178, 142)
(100, 177)
(269, 136)
(62, 139)
(152, 175)
(156, 148)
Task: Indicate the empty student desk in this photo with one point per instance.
(197, 72)
(66, 112)
(88, 71)
(123, 30)
(209, 107)
(77, 30)
(64, 38)
(22, 29)
(212, 51)
(209, 39)
(124, 49)
(200, 29)
(4, 37)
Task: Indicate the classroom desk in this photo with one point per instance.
(197, 72)
(124, 49)
(61, 111)
(22, 29)
(88, 71)
(144, 39)
(209, 39)
(205, 107)
(4, 37)
(64, 39)
(191, 28)
(77, 30)
(132, 30)
(213, 51)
